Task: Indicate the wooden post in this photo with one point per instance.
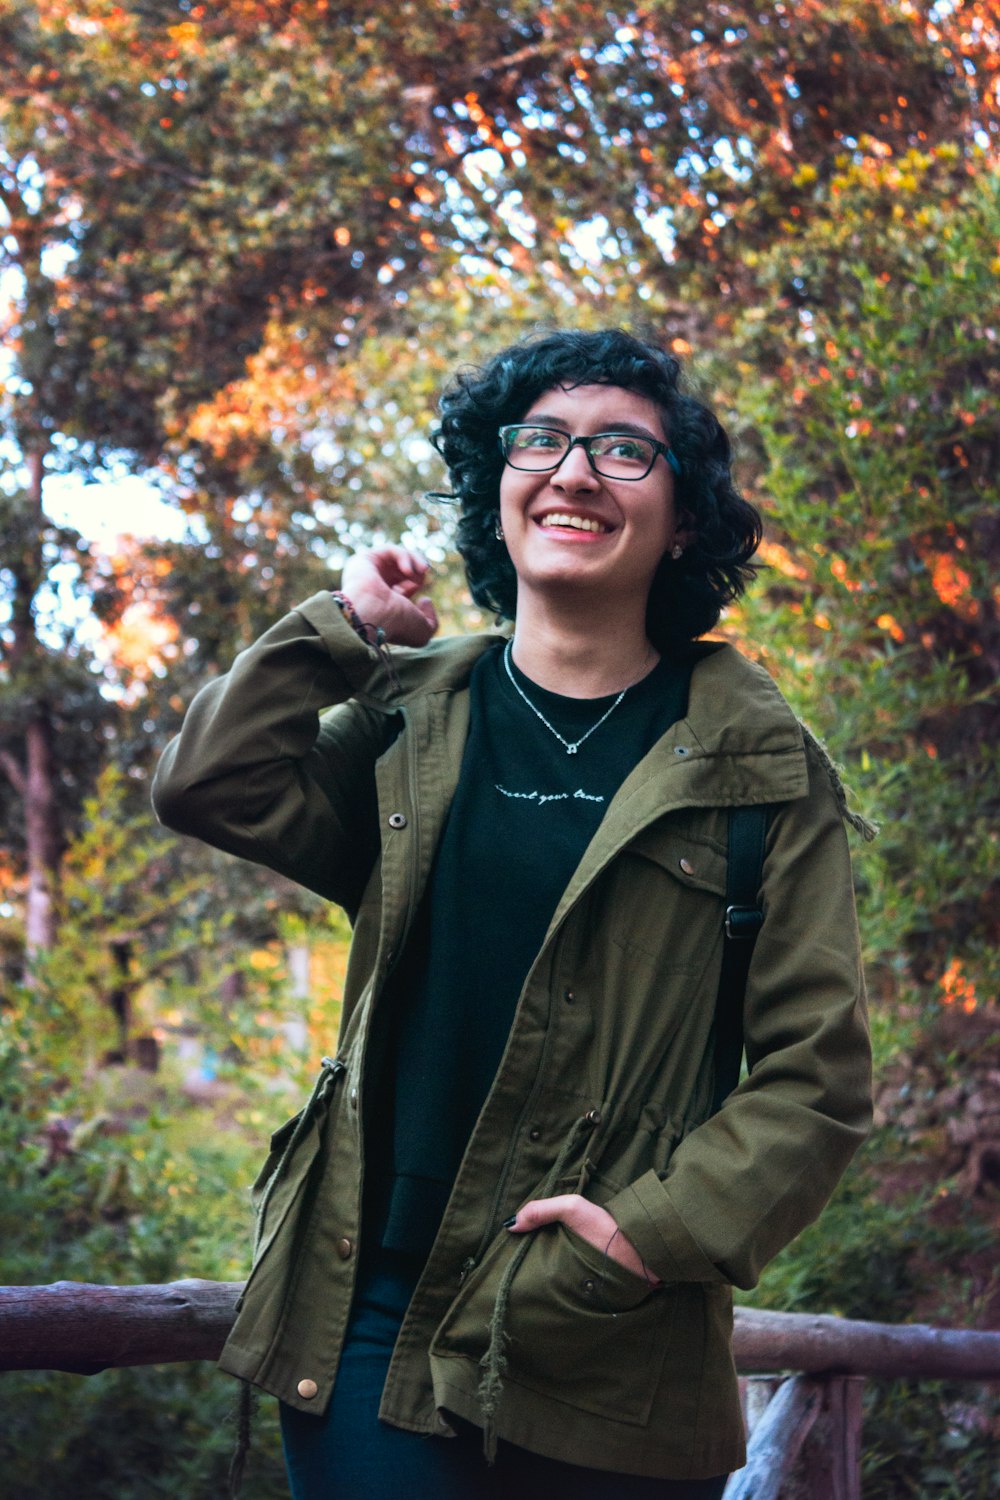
(756, 1392)
(842, 1418)
(777, 1439)
(812, 1454)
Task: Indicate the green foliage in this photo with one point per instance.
(867, 1256)
(91, 1192)
(81, 1203)
(876, 1253)
(933, 1441)
(165, 1431)
(144, 933)
(875, 416)
(118, 1178)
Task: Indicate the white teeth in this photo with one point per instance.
(578, 523)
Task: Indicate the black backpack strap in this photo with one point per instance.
(743, 921)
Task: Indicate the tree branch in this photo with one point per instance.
(510, 60)
(13, 771)
(99, 147)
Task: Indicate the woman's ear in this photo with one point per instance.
(685, 532)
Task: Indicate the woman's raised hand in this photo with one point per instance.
(382, 583)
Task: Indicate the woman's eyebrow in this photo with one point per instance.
(542, 419)
(633, 429)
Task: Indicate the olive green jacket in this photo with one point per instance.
(606, 1083)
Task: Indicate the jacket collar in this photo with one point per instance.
(738, 743)
(738, 728)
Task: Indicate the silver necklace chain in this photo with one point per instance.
(571, 747)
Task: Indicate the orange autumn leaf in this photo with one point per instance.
(778, 557)
(953, 585)
(956, 987)
(892, 625)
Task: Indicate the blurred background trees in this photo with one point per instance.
(244, 245)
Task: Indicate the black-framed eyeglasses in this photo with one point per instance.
(613, 455)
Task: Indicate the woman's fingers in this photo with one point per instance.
(395, 567)
(591, 1222)
(400, 566)
(381, 582)
(409, 623)
(428, 611)
(564, 1209)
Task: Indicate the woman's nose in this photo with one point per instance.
(575, 472)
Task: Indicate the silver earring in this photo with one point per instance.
(676, 551)
(498, 532)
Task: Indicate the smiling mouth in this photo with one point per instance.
(574, 523)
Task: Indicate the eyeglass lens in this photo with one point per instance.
(615, 455)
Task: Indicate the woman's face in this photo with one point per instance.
(572, 529)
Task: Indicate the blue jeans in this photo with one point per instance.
(348, 1454)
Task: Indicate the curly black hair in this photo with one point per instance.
(687, 595)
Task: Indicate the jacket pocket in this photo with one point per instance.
(582, 1329)
(662, 902)
(696, 862)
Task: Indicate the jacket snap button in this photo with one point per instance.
(568, 996)
(534, 1134)
(307, 1389)
(588, 1287)
(344, 1248)
(593, 1117)
(354, 1098)
(687, 866)
(397, 820)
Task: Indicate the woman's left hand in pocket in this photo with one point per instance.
(591, 1222)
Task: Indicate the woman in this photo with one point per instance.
(511, 1203)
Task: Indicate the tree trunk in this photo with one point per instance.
(41, 828)
(41, 839)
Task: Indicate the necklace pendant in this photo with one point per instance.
(570, 749)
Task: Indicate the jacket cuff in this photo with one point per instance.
(359, 662)
(645, 1215)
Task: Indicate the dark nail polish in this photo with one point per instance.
(509, 1223)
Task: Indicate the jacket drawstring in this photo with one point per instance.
(245, 1408)
(494, 1362)
(375, 636)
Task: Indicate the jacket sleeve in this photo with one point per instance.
(746, 1181)
(257, 772)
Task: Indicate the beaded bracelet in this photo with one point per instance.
(351, 615)
(372, 635)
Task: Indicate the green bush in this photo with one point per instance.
(88, 1197)
(868, 1256)
(936, 1440)
(133, 1434)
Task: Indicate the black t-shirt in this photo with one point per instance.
(523, 814)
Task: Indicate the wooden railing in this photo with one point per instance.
(805, 1431)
